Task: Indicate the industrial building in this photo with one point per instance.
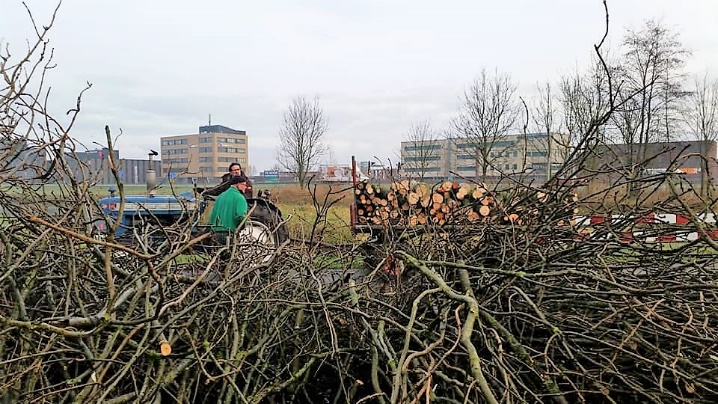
(693, 160)
(94, 166)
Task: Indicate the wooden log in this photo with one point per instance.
(463, 191)
(422, 190)
(478, 193)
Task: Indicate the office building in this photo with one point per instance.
(439, 159)
(203, 156)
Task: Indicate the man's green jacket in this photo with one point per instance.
(228, 211)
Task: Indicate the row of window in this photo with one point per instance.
(205, 159)
(496, 144)
(423, 147)
(230, 140)
(175, 151)
(422, 169)
(502, 154)
(498, 167)
(238, 150)
(208, 169)
(231, 160)
(210, 139)
(421, 158)
(174, 142)
(505, 153)
(506, 167)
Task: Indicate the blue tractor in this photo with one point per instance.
(151, 215)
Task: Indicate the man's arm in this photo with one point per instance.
(223, 186)
(241, 208)
(248, 192)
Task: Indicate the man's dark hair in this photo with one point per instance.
(232, 165)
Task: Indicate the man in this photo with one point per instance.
(235, 169)
(230, 207)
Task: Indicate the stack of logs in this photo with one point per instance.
(409, 203)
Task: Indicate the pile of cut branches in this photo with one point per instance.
(493, 310)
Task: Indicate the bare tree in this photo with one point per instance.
(487, 114)
(421, 150)
(302, 137)
(702, 118)
(544, 115)
(653, 79)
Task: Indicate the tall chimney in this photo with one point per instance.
(151, 175)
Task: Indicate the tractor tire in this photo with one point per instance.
(271, 218)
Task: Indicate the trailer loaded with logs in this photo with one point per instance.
(406, 203)
(403, 209)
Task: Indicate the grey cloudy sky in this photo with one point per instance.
(159, 67)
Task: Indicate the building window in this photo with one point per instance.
(174, 142)
(515, 167)
(536, 136)
(423, 148)
(419, 170)
(205, 139)
(221, 140)
(236, 150)
(422, 158)
(205, 150)
(206, 169)
(204, 159)
(176, 151)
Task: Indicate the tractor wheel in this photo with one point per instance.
(272, 219)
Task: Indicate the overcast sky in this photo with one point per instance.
(160, 67)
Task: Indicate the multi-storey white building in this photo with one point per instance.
(437, 159)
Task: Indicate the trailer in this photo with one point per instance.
(345, 173)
